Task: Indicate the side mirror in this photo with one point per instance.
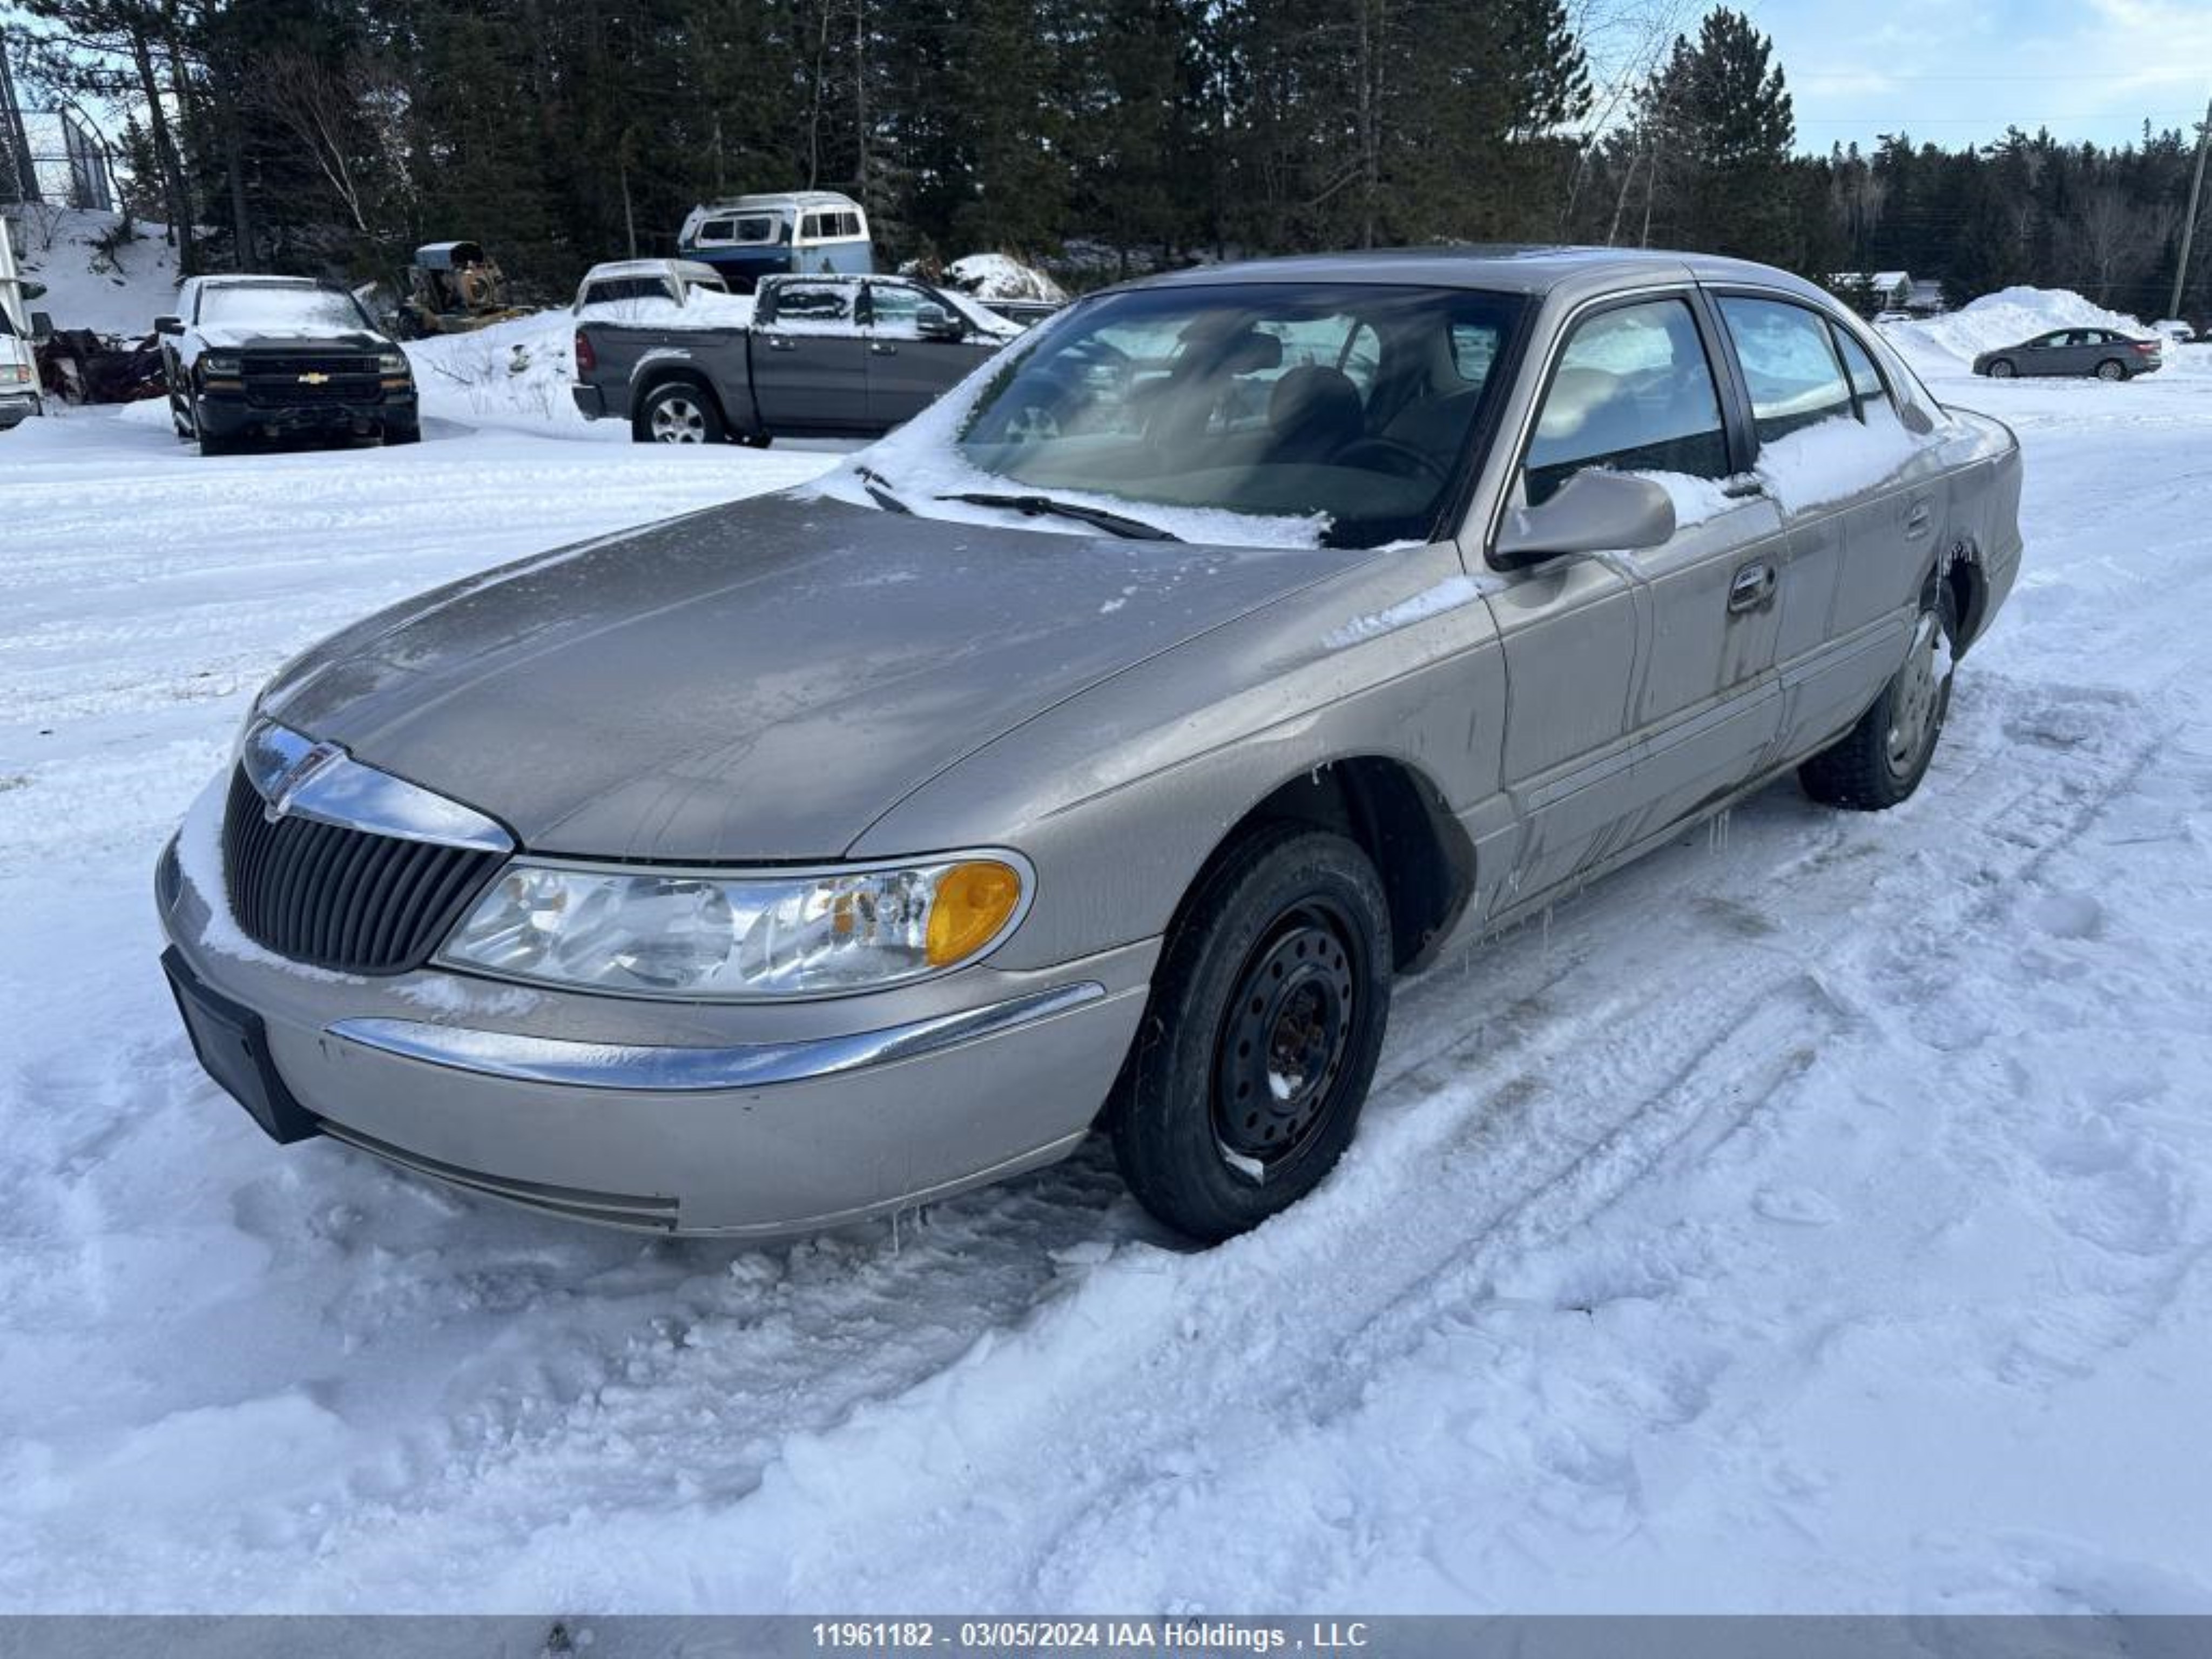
(934, 322)
(1593, 512)
(42, 327)
(168, 325)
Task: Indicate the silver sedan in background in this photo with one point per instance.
(1093, 752)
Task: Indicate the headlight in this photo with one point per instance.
(221, 364)
(702, 935)
(392, 362)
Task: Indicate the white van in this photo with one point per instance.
(19, 368)
(809, 233)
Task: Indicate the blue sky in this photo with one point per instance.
(1957, 71)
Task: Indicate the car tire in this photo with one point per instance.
(2111, 369)
(1246, 1079)
(2001, 369)
(677, 412)
(214, 443)
(1880, 761)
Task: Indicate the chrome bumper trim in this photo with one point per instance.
(655, 1070)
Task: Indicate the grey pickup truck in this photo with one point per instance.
(807, 356)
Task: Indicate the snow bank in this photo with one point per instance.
(513, 373)
(2003, 318)
(1000, 276)
(84, 290)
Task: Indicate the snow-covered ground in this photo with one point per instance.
(86, 288)
(1816, 1216)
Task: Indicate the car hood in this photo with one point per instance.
(758, 681)
(246, 336)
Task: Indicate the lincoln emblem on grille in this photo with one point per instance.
(314, 377)
(295, 777)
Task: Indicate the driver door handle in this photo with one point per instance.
(781, 343)
(883, 348)
(1752, 588)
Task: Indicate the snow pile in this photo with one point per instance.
(518, 373)
(2003, 318)
(1000, 276)
(83, 289)
(704, 309)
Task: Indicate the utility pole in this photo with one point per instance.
(2188, 222)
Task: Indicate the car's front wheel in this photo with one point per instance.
(678, 413)
(2001, 369)
(1880, 761)
(1266, 1015)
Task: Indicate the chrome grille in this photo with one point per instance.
(343, 898)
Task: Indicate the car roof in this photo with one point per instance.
(1509, 267)
(692, 270)
(779, 199)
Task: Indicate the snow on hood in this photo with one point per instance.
(236, 336)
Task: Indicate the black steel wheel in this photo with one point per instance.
(1246, 1081)
(1280, 1054)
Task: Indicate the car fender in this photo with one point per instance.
(1120, 795)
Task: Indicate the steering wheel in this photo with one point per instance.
(1413, 463)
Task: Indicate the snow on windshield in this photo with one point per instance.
(272, 306)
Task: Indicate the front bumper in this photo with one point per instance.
(17, 407)
(229, 414)
(757, 1121)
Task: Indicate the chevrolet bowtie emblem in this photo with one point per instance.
(311, 378)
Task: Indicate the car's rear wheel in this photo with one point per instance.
(678, 412)
(2001, 369)
(1880, 761)
(1267, 1013)
(2111, 369)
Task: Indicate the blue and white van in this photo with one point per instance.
(807, 232)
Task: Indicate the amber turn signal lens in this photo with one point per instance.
(972, 904)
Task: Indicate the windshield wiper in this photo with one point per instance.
(879, 491)
(1035, 505)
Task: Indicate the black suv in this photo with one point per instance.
(254, 357)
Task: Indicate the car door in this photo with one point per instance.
(908, 372)
(2043, 354)
(810, 364)
(1861, 516)
(1640, 684)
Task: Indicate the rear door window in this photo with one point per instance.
(814, 302)
(1634, 391)
(1867, 384)
(1789, 365)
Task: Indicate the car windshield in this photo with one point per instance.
(1358, 408)
(271, 306)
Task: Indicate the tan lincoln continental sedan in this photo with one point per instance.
(1092, 752)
